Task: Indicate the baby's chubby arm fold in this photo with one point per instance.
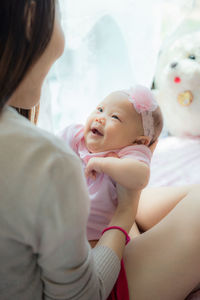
(128, 172)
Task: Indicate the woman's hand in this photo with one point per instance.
(123, 217)
(125, 213)
(127, 198)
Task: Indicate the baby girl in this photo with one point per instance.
(114, 148)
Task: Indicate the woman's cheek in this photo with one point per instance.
(59, 39)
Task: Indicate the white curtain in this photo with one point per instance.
(110, 44)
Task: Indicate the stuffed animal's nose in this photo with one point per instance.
(173, 65)
(100, 120)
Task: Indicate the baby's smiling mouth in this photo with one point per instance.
(96, 131)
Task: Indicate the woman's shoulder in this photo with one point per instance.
(41, 177)
(21, 136)
(33, 158)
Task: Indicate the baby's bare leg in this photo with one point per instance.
(156, 203)
(164, 262)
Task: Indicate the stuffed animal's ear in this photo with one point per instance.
(153, 85)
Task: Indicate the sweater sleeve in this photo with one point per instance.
(69, 268)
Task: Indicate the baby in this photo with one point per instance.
(114, 147)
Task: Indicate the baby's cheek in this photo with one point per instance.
(113, 128)
(87, 125)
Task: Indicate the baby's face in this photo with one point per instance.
(114, 124)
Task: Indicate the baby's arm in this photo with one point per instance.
(128, 172)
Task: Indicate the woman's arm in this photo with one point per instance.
(124, 217)
(130, 173)
(69, 268)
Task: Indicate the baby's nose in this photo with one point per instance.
(100, 120)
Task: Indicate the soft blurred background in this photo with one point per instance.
(110, 44)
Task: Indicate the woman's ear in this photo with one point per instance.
(30, 19)
(142, 140)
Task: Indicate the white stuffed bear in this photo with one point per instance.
(177, 84)
(176, 160)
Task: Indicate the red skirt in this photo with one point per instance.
(120, 289)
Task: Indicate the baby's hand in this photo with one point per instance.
(93, 167)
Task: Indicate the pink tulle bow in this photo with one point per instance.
(144, 103)
(142, 98)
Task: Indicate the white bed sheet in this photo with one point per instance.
(176, 161)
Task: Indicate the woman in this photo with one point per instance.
(44, 253)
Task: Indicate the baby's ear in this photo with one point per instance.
(142, 140)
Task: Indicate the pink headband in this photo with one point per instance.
(144, 103)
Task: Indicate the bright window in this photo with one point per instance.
(110, 44)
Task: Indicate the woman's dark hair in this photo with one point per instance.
(18, 52)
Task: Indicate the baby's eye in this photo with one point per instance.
(115, 117)
(191, 56)
(100, 109)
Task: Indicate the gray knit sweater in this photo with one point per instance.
(44, 207)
